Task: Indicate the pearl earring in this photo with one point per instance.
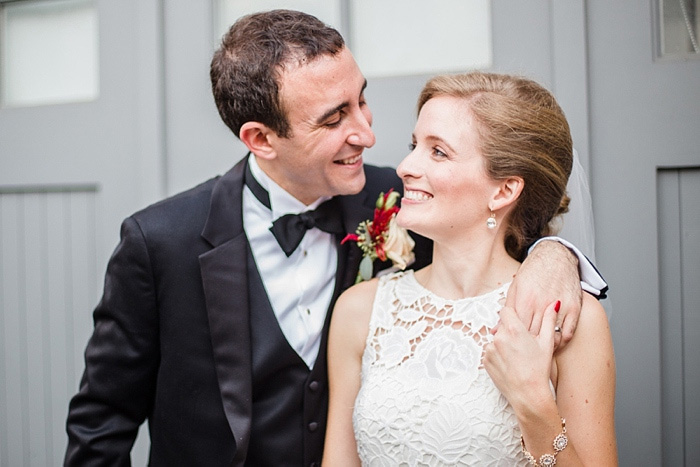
(491, 221)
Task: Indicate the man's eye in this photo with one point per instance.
(334, 123)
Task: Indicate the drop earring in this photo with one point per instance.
(491, 221)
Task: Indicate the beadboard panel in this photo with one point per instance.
(679, 318)
(48, 282)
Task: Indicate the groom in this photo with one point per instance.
(208, 327)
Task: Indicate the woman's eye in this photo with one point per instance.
(438, 153)
(411, 146)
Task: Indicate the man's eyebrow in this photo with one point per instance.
(331, 112)
(335, 110)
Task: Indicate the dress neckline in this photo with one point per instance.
(502, 289)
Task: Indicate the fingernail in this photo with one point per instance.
(557, 306)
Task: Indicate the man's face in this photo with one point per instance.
(330, 127)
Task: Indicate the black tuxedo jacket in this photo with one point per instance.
(171, 341)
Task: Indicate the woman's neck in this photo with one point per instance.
(467, 268)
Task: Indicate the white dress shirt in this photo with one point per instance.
(300, 287)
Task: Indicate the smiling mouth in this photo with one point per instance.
(416, 195)
(349, 160)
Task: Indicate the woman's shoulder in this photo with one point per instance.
(592, 336)
(351, 317)
(593, 316)
(355, 306)
(359, 295)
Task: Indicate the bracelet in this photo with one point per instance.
(548, 460)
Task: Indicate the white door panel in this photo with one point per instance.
(69, 173)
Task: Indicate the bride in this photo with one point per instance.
(429, 368)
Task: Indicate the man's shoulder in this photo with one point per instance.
(184, 202)
(382, 178)
(183, 212)
(196, 200)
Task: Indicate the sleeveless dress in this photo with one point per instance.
(426, 398)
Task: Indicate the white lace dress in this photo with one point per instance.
(425, 397)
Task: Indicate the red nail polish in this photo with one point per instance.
(557, 306)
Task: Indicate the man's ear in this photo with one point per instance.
(506, 193)
(256, 136)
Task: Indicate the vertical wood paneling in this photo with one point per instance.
(83, 290)
(48, 288)
(3, 376)
(58, 313)
(13, 425)
(4, 304)
(34, 291)
(689, 191)
(670, 318)
(679, 256)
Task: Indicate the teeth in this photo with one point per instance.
(350, 161)
(417, 196)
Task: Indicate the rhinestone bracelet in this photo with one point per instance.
(548, 460)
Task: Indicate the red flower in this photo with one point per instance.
(372, 235)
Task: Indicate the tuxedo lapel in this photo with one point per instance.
(225, 281)
(357, 208)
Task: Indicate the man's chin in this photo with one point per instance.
(354, 187)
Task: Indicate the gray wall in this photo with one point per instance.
(69, 174)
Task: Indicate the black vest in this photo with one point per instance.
(290, 402)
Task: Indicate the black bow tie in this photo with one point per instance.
(290, 229)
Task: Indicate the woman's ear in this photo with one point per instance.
(256, 136)
(506, 193)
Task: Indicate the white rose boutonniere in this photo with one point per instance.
(399, 245)
(382, 238)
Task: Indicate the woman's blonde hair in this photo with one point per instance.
(523, 133)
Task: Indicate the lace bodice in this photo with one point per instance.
(426, 398)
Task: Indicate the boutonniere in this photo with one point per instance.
(382, 238)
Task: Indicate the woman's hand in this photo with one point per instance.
(520, 363)
(549, 273)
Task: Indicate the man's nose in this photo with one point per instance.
(362, 134)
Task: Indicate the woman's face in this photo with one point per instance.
(446, 188)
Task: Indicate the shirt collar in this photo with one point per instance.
(281, 202)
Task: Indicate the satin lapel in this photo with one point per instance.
(356, 209)
(349, 257)
(225, 281)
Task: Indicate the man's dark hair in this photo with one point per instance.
(245, 70)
